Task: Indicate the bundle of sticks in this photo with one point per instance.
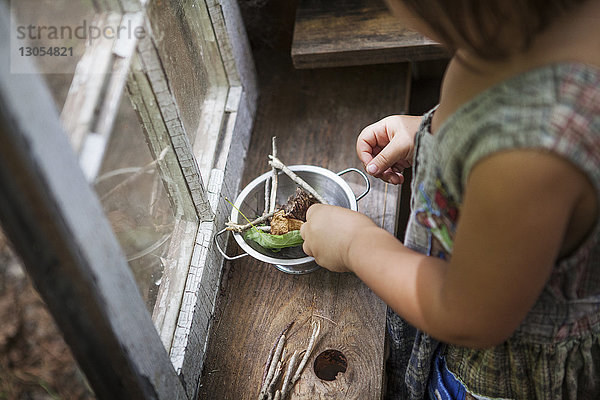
(275, 388)
(287, 217)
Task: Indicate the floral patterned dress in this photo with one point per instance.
(555, 352)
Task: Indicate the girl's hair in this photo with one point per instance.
(482, 25)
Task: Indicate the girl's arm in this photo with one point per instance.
(517, 214)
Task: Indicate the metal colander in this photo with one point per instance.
(251, 202)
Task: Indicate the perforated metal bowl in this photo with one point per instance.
(251, 202)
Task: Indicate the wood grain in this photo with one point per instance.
(354, 32)
(316, 116)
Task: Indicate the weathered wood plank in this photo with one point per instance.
(87, 88)
(354, 32)
(199, 299)
(157, 136)
(56, 223)
(95, 93)
(164, 94)
(316, 116)
(119, 6)
(171, 291)
(224, 158)
(191, 60)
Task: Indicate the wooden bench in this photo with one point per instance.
(354, 32)
(316, 116)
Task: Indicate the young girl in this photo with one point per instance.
(496, 290)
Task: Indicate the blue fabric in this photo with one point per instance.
(443, 385)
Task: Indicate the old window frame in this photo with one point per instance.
(135, 366)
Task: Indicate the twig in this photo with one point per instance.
(285, 387)
(384, 205)
(268, 365)
(272, 352)
(232, 226)
(309, 349)
(267, 195)
(276, 163)
(276, 375)
(298, 326)
(289, 381)
(241, 228)
(274, 178)
(274, 366)
(275, 363)
(325, 318)
(274, 357)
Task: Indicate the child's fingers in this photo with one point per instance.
(386, 158)
(385, 145)
(371, 140)
(390, 176)
(303, 232)
(367, 147)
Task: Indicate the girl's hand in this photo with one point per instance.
(328, 232)
(387, 147)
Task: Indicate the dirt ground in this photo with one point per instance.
(35, 362)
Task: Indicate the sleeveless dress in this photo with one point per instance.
(555, 352)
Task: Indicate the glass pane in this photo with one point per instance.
(194, 67)
(59, 25)
(192, 60)
(136, 203)
(35, 362)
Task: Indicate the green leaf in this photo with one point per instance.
(274, 242)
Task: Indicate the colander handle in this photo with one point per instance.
(358, 171)
(221, 250)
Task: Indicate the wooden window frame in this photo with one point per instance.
(55, 220)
